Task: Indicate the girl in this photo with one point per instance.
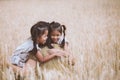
(58, 44)
(56, 38)
(20, 58)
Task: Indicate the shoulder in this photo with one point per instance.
(38, 48)
(27, 45)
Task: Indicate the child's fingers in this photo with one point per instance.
(60, 54)
(72, 60)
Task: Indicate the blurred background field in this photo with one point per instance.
(93, 30)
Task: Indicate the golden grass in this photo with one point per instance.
(97, 58)
(93, 30)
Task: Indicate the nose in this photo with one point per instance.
(55, 37)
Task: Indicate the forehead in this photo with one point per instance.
(45, 32)
(55, 32)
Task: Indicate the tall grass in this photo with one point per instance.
(97, 58)
(92, 30)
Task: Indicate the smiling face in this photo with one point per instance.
(42, 39)
(55, 36)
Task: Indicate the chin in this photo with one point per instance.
(55, 41)
(44, 42)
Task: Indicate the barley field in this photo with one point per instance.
(93, 31)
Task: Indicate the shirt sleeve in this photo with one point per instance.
(38, 48)
(61, 39)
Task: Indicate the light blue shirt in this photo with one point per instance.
(20, 55)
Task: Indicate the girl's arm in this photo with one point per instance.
(65, 50)
(68, 53)
(47, 57)
(71, 56)
(60, 51)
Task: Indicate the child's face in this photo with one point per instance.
(42, 39)
(55, 36)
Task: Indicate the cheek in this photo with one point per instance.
(55, 39)
(43, 39)
(40, 40)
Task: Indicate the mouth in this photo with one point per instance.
(55, 41)
(45, 41)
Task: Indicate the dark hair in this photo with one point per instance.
(56, 26)
(36, 31)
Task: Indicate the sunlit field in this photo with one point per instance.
(93, 31)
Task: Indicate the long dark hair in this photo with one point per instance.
(56, 26)
(37, 30)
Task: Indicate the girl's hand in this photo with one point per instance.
(59, 54)
(53, 51)
(71, 60)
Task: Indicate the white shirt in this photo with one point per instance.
(61, 39)
(20, 55)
